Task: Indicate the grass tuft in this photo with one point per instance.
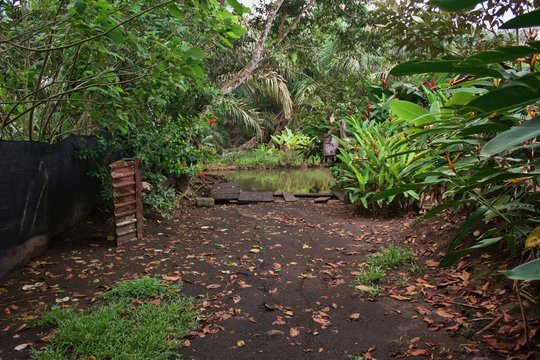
(142, 288)
(121, 329)
(377, 265)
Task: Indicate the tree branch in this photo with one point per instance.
(246, 72)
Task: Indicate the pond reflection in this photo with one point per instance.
(282, 180)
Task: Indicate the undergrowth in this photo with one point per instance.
(123, 328)
(263, 157)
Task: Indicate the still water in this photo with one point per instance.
(282, 180)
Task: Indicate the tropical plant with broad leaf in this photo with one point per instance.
(486, 139)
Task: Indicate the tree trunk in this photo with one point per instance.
(253, 64)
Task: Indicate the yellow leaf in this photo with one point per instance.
(240, 343)
(533, 240)
(255, 251)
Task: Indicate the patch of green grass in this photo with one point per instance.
(141, 288)
(378, 264)
(391, 257)
(372, 274)
(121, 329)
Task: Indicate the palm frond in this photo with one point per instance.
(273, 85)
(234, 111)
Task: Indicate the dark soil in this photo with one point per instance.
(276, 282)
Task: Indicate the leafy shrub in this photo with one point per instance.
(376, 158)
(289, 141)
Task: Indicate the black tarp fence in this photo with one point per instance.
(44, 189)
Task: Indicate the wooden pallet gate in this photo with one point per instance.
(127, 199)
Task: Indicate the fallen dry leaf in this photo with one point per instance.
(21, 347)
(240, 343)
(417, 352)
(170, 278)
(354, 317)
(445, 314)
(213, 286)
(293, 332)
(432, 263)
(275, 333)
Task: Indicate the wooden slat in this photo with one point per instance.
(225, 191)
(322, 199)
(255, 197)
(313, 195)
(339, 195)
(289, 197)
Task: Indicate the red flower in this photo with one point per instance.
(369, 108)
(350, 112)
(364, 117)
(384, 81)
(201, 174)
(212, 122)
(184, 164)
(390, 119)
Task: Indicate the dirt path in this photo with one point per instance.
(275, 282)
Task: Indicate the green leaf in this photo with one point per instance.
(530, 19)
(195, 53)
(509, 53)
(527, 271)
(239, 8)
(512, 137)
(468, 226)
(456, 5)
(484, 128)
(116, 36)
(174, 11)
(522, 91)
(452, 257)
(238, 31)
(407, 110)
(443, 66)
(80, 6)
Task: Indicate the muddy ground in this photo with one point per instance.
(276, 282)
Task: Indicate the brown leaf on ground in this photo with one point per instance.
(368, 355)
(243, 284)
(275, 333)
(170, 278)
(432, 263)
(399, 297)
(423, 311)
(354, 317)
(213, 286)
(417, 352)
(323, 322)
(293, 332)
(445, 314)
